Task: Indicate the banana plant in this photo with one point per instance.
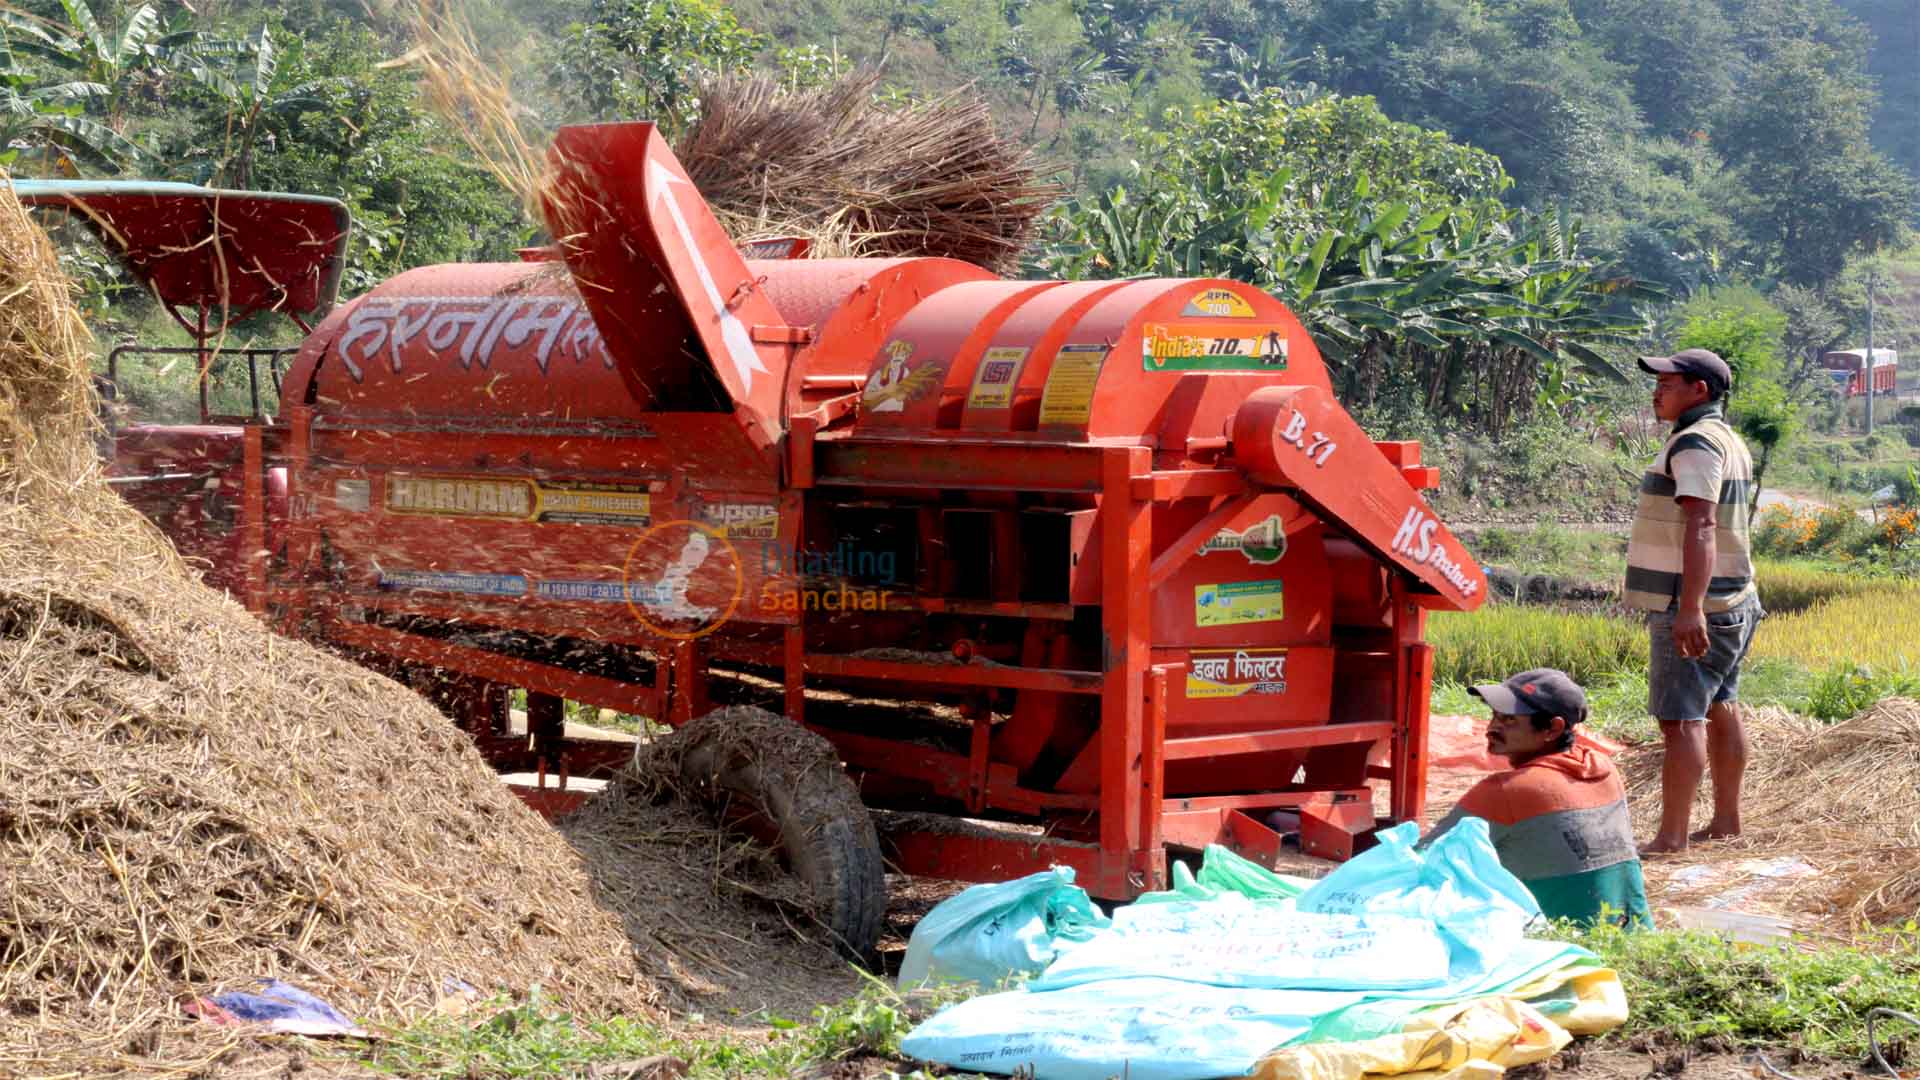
(1490, 308)
(242, 75)
(51, 117)
(115, 58)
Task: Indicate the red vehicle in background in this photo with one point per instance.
(1849, 367)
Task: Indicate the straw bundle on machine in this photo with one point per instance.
(1843, 798)
(188, 803)
(928, 178)
(857, 176)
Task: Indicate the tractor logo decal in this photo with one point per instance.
(469, 330)
(1263, 542)
(1172, 347)
(893, 384)
(1217, 304)
(1229, 673)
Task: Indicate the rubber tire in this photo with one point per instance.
(825, 833)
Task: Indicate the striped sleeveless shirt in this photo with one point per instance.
(1704, 458)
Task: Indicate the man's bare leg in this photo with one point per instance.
(1727, 758)
(1681, 769)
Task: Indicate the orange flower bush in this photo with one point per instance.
(1897, 528)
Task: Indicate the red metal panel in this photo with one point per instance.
(628, 220)
(921, 375)
(975, 857)
(1409, 791)
(969, 463)
(852, 307)
(590, 689)
(1300, 438)
(253, 519)
(1257, 742)
(449, 346)
(228, 252)
(550, 802)
(1069, 682)
(1127, 545)
(1225, 597)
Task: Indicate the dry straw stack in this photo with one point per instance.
(856, 175)
(1844, 798)
(929, 178)
(187, 803)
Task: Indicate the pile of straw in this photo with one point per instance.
(188, 803)
(1844, 798)
(721, 922)
(930, 178)
(835, 164)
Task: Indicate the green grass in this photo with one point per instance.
(536, 1040)
(1682, 987)
(1690, 986)
(1843, 466)
(1617, 702)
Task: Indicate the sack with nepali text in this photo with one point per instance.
(1456, 883)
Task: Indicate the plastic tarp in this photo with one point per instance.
(1133, 1000)
(1458, 743)
(1224, 873)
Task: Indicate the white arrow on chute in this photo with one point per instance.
(746, 359)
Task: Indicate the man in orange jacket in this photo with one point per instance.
(1558, 817)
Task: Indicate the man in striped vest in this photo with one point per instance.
(1690, 568)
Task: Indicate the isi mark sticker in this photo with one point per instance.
(996, 377)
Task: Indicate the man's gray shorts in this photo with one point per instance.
(1682, 689)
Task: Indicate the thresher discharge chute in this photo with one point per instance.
(1066, 572)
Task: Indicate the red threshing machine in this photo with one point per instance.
(1066, 572)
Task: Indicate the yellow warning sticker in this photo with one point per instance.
(1218, 304)
(1068, 396)
(998, 374)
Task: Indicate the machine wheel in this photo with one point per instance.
(787, 784)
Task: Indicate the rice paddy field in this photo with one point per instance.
(1833, 642)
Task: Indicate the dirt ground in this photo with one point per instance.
(1586, 1059)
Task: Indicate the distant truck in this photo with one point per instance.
(1850, 364)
